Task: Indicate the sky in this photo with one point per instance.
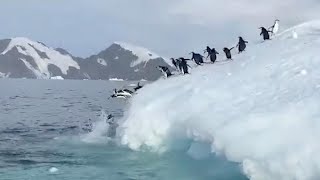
(171, 28)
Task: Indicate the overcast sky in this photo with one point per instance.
(167, 27)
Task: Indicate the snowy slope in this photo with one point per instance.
(143, 54)
(42, 55)
(260, 110)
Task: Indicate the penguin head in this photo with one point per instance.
(277, 20)
(263, 29)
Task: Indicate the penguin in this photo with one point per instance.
(165, 71)
(113, 125)
(122, 93)
(179, 68)
(241, 44)
(184, 65)
(265, 33)
(198, 58)
(174, 62)
(227, 51)
(212, 53)
(110, 119)
(138, 87)
(275, 27)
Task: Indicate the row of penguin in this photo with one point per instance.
(182, 66)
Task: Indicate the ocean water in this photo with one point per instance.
(43, 125)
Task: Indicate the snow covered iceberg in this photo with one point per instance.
(261, 110)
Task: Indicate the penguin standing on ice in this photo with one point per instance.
(227, 51)
(174, 62)
(184, 65)
(241, 44)
(179, 67)
(165, 71)
(265, 33)
(275, 27)
(198, 58)
(212, 53)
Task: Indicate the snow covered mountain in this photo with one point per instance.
(23, 58)
(123, 61)
(260, 110)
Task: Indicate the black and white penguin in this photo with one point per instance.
(122, 93)
(184, 65)
(275, 27)
(265, 33)
(227, 51)
(241, 44)
(174, 62)
(198, 58)
(179, 68)
(138, 87)
(113, 125)
(165, 71)
(212, 53)
(110, 119)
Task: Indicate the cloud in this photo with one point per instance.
(169, 27)
(212, 12)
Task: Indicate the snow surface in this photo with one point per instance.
(260, 110)
(27, 47)
(143, 54)
(36, 72)
(102, 61)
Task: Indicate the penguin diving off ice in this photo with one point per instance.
(241, 44)
(227, 51)
(198, 58)
(265, 33)
(113, 125)
(165, 71)
(275, 27)
(110, 119)
(212, 53)
(122, 93)
(138, 87)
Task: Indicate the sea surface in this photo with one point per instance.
(43, 124)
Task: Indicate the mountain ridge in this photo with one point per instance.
(21, 57)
